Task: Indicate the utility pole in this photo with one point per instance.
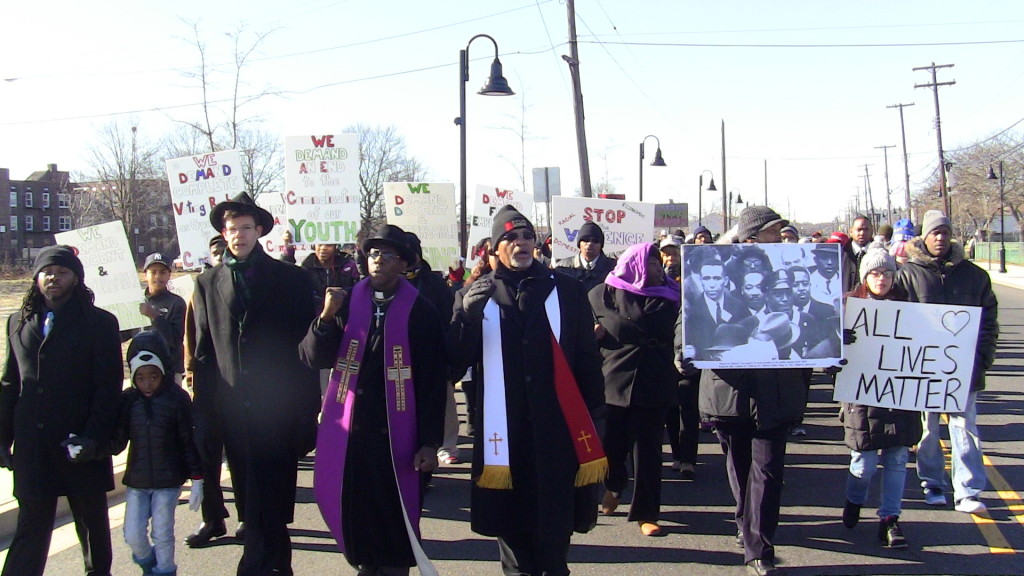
(725, 201)
(906, 169)
(947, 206)
(869, 202)
(888, 192)
(577, 101)
(766, 183)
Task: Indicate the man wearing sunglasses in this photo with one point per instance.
(536, 452)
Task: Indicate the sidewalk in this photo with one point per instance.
(1014, 276)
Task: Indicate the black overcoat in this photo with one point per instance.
(266, 398)
(67, 383)
(542, 458)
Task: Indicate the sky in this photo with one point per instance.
(802, 87)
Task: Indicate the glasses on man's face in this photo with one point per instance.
(513, 236)
(381, 255)
(234, 230)
(887, 274)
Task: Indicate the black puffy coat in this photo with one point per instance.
(954, 280)
(161, 454)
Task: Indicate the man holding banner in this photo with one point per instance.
(383, 413)
(939, 273)
(536, 451)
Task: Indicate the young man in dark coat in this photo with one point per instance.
(251, 313)
(590, 266)
(62, 378)
(165, 309)
(539, 389)
(939, 273)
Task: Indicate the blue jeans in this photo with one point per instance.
(969, 477)
(894, 473)
(158, 504)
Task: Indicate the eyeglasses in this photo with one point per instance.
(513, 236)
(887, 274)
(375, 254)
(240, 229)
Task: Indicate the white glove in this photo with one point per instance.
(74, 449)
(195, 497)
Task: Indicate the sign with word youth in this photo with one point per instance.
(427, 210)
(109, 270)
(910, 356)
(197, 184)
(624, 223)
(322, 188)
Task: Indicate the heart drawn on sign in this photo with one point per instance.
(956, 321)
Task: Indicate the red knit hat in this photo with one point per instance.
(839, 238)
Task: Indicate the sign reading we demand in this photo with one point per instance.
(910, 356)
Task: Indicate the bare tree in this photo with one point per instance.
(382, 158)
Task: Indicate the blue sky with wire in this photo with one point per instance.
(801, 86)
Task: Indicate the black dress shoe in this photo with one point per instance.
(207, 531)
(759, 567)
(240, 531)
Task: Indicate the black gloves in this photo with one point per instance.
(79, 449)
(476, 297)
(849, 336)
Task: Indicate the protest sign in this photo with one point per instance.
(624, 223)
(109, 270)
(322, 188)
(671, 216)
(274, 202)
(485, 203)
(197, 184)
(427, 210)
(743, 311)
(183, 286)
(910, 356)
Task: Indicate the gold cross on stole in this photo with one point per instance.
(398, 374)
(349, 367)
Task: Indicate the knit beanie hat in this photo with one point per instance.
(145, 358)
(59, 255)
(791, 228)
(591, 231)
(838, 238)
(506, 220)
(876, 256)
(932, 220)
(905, 227)
(753, 219)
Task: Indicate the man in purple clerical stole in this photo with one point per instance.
(383, 411)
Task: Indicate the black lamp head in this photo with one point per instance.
(658, 160)
(496, 83)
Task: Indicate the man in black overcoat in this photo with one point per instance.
(251, 313)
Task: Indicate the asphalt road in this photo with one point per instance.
(697, 515)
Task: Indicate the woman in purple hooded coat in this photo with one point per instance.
(635, 310)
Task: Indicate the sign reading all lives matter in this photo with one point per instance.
(109, 270)
(911, 356)
(197, 184)
(321, 174)
(485, 203)
(624, 223)
(427, 210)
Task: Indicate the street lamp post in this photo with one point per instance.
(496, 86)
(700, 194)
(1002, 209)
(739, 200)
(658, 161)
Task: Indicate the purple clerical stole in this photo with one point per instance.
(340, 404)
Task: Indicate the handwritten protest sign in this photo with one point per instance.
(109, 270)
(671, 216)
(485, 203)
(624, 223)
(197, 184)
(322, 188)
(910, 356)
(427, 210)
(183, 285)
(274, 202)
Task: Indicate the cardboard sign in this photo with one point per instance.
(908, 355)
(427, 210)
(624, 223)
(321, 174)
(742, 310)
(197, 184)
(484, 204)
(183, 286)
(109, 270)
(671, 216)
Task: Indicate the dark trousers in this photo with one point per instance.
(31, 544)
(755, 461)
(469, 391)
(636, 430)
(683, 422)
(210, 445)
(525, 555)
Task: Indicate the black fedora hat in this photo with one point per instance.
(393, 237)
(243, 204)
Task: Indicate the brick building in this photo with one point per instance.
(36, 208)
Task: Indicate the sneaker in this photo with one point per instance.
(446, 457)
(687, 471)
(972, 505)
(889, 533)
(851, 514)
(798, 431)
(934, 497)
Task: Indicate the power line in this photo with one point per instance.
(722, 45)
